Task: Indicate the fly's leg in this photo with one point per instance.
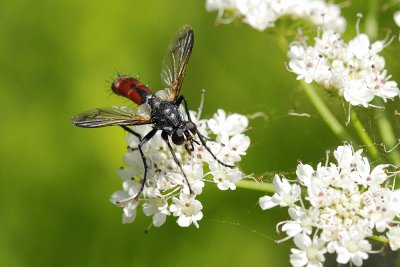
(203, 142)
(164, 136)
(183, 99)
(129, 130)
(201, 137)
(178, 103)
(207, 138)
(143, 182)
(142, 142)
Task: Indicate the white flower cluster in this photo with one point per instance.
(354, 69)
(345, 203)
(262, 14)
(166, 191)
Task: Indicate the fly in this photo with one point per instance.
(161, 110)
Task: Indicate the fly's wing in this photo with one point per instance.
(175, 62)
(116, 115)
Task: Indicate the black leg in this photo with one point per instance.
(142, 142)
(165, 137)
(129, 130)
(201, 137)
(203, 142)
(207, 138)
(178, 103)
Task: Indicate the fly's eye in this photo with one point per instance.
(178, 137)
(191, 127)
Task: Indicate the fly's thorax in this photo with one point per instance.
(166, 116)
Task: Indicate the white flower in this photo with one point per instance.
(262, 14)
(188, 209)
(344, 204)
(394, 202)
(302, 222)
(396, 17)
(286, 194)
(225, 177)
(221, 124)
(194, 174)
(354, 69)
(360, 46)
(383, 86)
(259, 14)
(353, 248)
(219, 4)
(310, 252)
(129, 210)
(376, 177)
(346, 157)
(158, 207)
(378, 208)
(394, 238)
(165, 180)
(357, 93)
(235, 147)
(309, 66)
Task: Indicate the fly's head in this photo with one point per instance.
(184, 135)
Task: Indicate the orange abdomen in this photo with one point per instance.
(130, 88)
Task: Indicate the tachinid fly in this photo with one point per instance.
(161, 109)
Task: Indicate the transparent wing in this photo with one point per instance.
(116, 115)
(175, 62)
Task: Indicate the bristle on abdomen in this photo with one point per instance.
(130, 88)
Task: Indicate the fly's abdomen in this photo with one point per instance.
(130, 88)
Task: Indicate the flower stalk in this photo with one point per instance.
(384, 125)
(325, 113)
(258, 186)
(365, 138)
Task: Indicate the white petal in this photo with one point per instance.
(356, 260)
(159, 219)
(302, 241)
(359, 46)
(292, 228)
(198, 216)
(396, 18)
(298, 258)
(184, 221)
(343, 257)
(128, 215)
(266, 203)
(175, 209)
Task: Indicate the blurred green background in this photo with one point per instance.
(57, 58)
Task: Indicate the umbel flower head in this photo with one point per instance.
(262, 14)
(355, 68)
(166, 191)
(345, 202)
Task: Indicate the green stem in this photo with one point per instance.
(384, 125)
(324, 111)
(388, 137)
(282, 43)
(318, 103)
(379, 239)
(371, 22)
(265, 187)
(373, 151)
